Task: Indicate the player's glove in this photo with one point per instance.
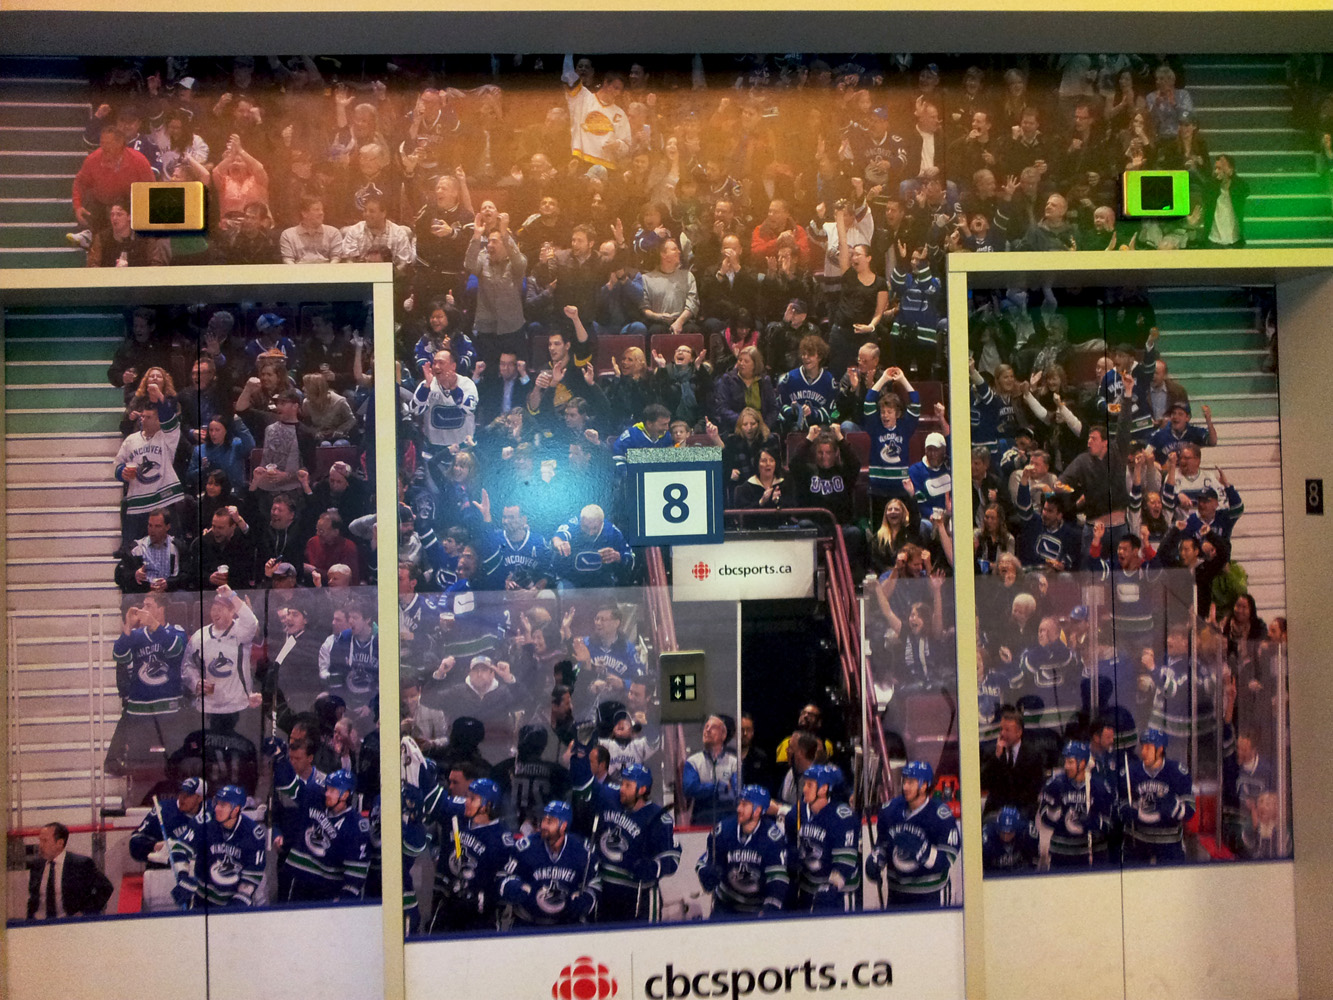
(710, 877)
(274, 747)
(645, 871)
(874, 866)
(1167, 806)
(581, 904)
(909, 848)
(182, 897)
(1128, 812)
(413, 803)
(515, 892)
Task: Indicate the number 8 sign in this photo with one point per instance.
(677, 495)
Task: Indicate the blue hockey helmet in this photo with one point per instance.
(343, 780)
(231, 794)
(823, 774)
(757, 796)
(1010, 820)
(1154, 737)
(486, 790)
(192, 786)
(638, 774)
(921, 771)
(1076, 749)
(559, 809)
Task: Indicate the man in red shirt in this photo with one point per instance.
(330, 547)
(106, 176)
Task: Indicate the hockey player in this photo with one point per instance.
(217, 661)
(148, 679)
(917, 842)
(1008, 843)
(220, 862)
(1075, 811)
(552, 878)
(473, 853)
(745, 863)
(328, 860)
(1160, 800)
(822, 837)
(636, 847)
(165, 822)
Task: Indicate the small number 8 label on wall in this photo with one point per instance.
(675, 503)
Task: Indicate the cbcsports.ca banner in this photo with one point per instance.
(917, 955)
(744, 570)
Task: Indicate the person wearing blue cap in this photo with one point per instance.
(220, 862)
(917, 844)
(1074, 812)
(552, 878)
(744, 865)
(1159, 801)
(1008, 842)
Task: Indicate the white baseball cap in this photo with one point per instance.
(936, 440)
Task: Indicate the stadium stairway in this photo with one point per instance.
(44, 104)
(1213, 345)
(62, 526)
(1245, 110)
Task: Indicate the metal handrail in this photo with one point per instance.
(95, 651)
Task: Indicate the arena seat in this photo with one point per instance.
(614, 346)
(325, 457)
(131, 893)
(666, 343)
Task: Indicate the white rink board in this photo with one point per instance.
(1225, 932)
(1190, 932)
(925, 951)
(277, 954)
(149, 958)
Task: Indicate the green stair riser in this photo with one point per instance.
(44, 211)
(1206, 385)
(1288, 229)
(94, 354)
(1202, 341)
(40, 187)
(41, 138)
(1250, 408)
(54, 325)
(47, 115)
(26, 237)
(56, 422)
(35, 259)
(1182, 366)
(93, 371)
(59, 399)
(21, 162)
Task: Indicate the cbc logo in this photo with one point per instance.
(584, 979)
(700, 571)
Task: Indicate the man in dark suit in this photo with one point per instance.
(64, 884)
(501, 390)
(1012, 774)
